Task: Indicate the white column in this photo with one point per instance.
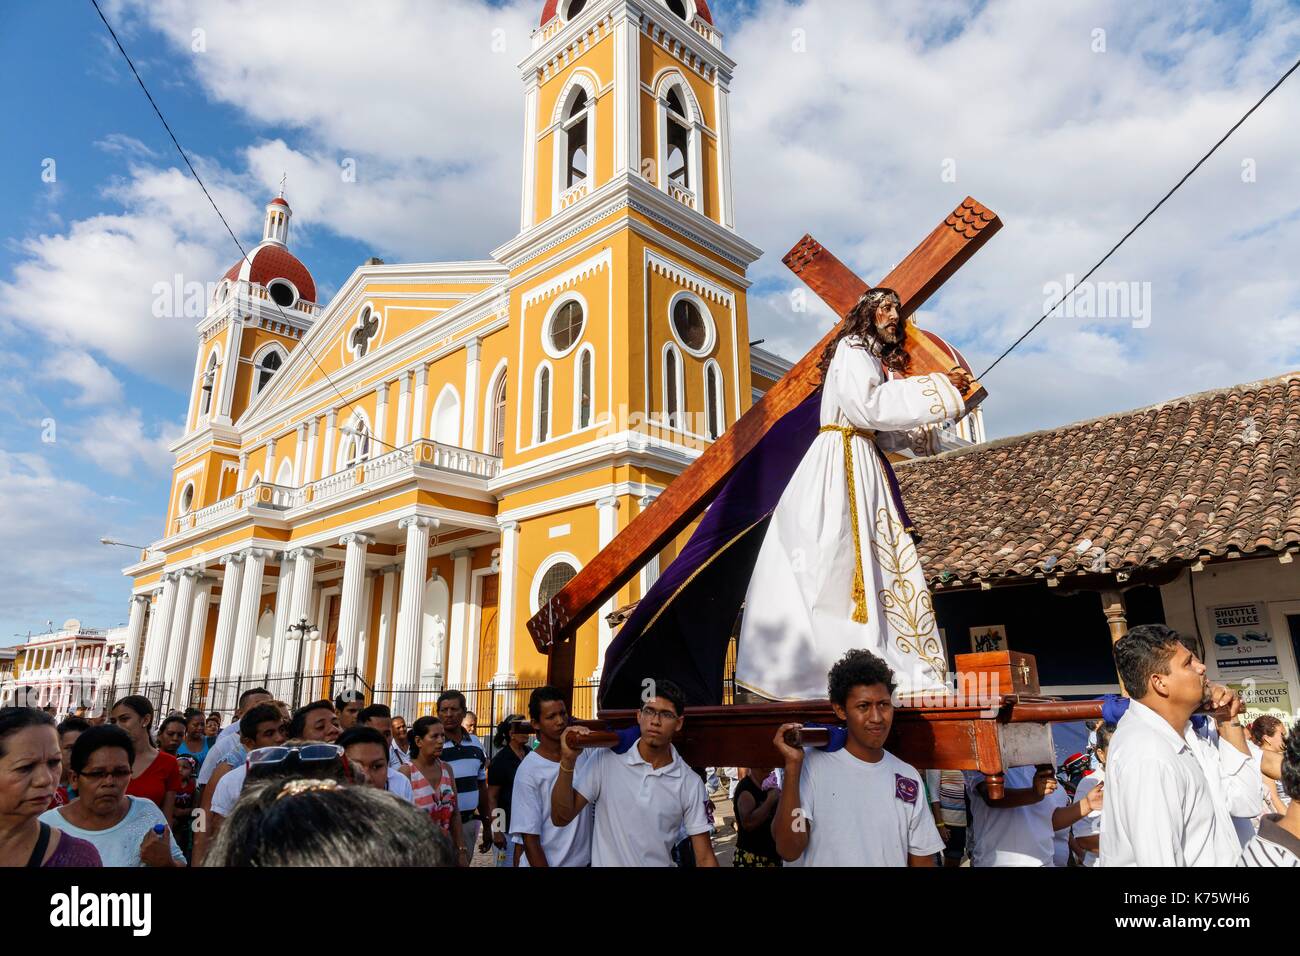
(381, 416)
(403, 409)
(406, 659)
(457, 636)
(268, 470)
(506, 603)
(726, 215)
(135, 628)
(417, 404)
(194, 640)
(227, 617)
(156, 648)
(607, 527)
(327, 456)
(299, 454)
(229, 367)
(528, 205)
(309, 469)
(180, 631)
(627, 89)
(304, 566)
(351, 600)
(650, 570)
(283, 595)
(250, 601)
(387, 617)
(469, 422)
(243, 470)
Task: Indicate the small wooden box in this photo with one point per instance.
(991, 673)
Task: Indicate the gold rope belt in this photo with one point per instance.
(847, 432)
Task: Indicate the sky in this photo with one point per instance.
(862, 121)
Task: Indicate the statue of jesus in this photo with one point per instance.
(838, 568)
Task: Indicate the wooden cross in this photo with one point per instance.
(915, 279)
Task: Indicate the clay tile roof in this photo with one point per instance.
(1201, 476)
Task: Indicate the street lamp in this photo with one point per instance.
(121, 544)
(302, 632)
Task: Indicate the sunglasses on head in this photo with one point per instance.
(304, 753)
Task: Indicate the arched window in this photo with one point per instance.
(713, 401)
(355, 447)
(552, 574)
(284, 477)
(585, 362)
(543, 430)
(497, 443)
(445, 426)
(574, 8)
(678, 7)
(672, 387)
(576, 142)
(268, 366)
(208, 384)
(677, 160)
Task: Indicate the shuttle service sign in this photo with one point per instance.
(1241, 640)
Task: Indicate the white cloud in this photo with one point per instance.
(55, 525)
(119, 443)
(97, 384)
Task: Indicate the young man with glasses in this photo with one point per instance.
(643, 798)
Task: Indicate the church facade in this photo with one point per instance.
(414, 467)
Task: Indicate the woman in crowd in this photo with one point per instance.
(1085, 836)
(511, 748)
(433, 785)
(1268, 733)
(211, 727)
(69, 730)
(321, 822)
(194, 743)
(30, 767)
(171, 734)
(121, 827)
(154, 774)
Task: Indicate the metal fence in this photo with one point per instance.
(158, 693)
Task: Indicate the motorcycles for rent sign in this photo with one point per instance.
(1241, 640)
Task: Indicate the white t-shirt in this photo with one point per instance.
(863, 814)
(119, 845)
(229, 786)
(638, 810)
(530, 812)
(1016, 836)
(1171, 797)
(1091, 824)
(226, 743)
(399, 785)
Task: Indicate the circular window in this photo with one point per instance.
(187, 498)
(566, 327)
(556, 577)
(678, 7)
(282, 293)
(691, 327)
(573, 9)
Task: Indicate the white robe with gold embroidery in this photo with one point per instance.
(798, 617)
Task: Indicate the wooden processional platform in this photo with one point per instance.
(1006, 725)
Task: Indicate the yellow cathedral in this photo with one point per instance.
(414, 467)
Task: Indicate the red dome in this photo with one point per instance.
(272, 261)
(950, 349)
(552, 7)
(278, 201)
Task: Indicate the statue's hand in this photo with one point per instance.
(960, 378)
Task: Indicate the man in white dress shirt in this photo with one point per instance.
(1172, 788)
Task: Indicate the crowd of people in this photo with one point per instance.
(1175, 779)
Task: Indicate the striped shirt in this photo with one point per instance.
(468, 763)
(1272, 846)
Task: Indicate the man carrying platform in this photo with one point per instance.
(859, 805)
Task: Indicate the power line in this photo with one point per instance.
(1150, 213)
(347, 403)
